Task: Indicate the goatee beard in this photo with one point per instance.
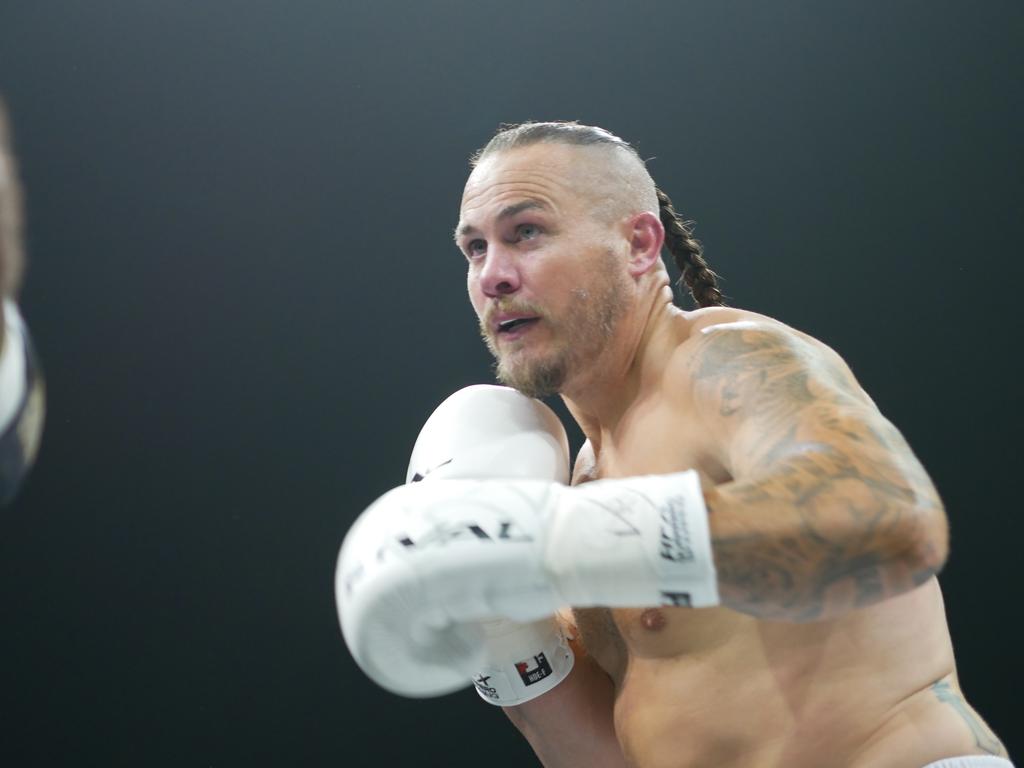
(543, 380)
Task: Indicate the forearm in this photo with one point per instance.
(818, 535)
(572, 725)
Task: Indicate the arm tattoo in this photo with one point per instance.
(827, 487)
(983, 736)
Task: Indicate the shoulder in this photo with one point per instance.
(735, 361)
(722, 340)
(714, 316)
(715, 322)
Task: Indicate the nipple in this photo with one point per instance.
(652, 619)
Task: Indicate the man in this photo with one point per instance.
(767, 593)
(21, 383)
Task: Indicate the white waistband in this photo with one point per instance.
(972, 761)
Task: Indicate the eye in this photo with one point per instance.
(475, 248)
(527, 231)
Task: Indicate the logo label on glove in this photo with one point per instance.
(676, 598)
(420, 476)
(533, 670)
(443, 532)
(675, 535)
(482, 684)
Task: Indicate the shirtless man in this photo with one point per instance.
(21, 383)
(749, 547)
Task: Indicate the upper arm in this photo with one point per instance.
(780, 403)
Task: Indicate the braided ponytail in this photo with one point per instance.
(689, 255)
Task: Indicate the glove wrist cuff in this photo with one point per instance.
(633, 541)
(522, 661)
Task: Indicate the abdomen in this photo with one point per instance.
(715, 687)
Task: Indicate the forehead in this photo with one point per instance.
(553, 174)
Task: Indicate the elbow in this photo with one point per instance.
(926, 540)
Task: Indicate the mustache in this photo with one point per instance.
(510, 307)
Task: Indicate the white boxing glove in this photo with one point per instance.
(22, 401)
(487, 431)
(425, 564)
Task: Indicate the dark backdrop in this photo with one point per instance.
(246, 298)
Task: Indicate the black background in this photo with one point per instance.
(246, 299)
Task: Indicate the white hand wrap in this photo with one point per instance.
(432, 560)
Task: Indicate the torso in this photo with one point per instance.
(714, 687)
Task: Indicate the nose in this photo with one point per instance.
(499, 275)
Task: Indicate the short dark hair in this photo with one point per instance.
(687, 251)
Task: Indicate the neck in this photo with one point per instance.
(630, 366)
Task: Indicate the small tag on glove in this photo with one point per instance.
(523, 661)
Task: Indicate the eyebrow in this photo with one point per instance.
(507, 212)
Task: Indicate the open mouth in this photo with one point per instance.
(516, 324)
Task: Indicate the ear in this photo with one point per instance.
(646, 236)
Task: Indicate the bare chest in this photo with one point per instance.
(652, 440)
(658, 438)
(615, 637)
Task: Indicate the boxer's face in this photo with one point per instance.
(546, 276)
